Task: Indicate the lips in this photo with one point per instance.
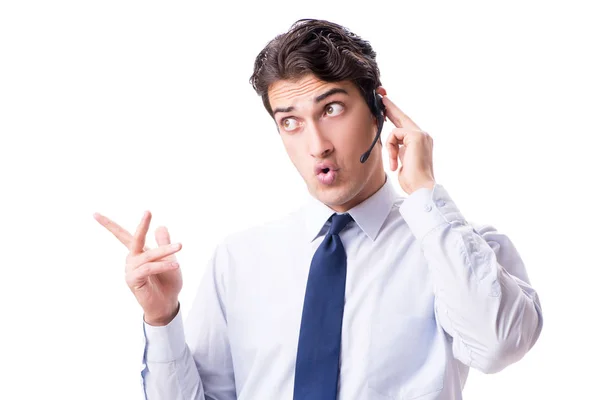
(325, 167)
(326, 172)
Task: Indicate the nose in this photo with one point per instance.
(319, 145)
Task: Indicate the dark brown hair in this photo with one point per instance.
(329, 51)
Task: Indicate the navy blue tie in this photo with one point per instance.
(318, 357)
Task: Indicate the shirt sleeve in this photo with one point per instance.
(168, 370)
(191, 360)
(483, 296)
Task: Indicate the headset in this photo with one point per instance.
(375, 103)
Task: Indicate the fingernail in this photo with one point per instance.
(174, 265)
(175, 246)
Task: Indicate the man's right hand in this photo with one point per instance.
(153, 275)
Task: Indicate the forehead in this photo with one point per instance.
(284, 93)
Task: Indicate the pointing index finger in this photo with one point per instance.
(119, 232)
(397, 116)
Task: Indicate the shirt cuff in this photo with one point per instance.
(165, 343)
(426, 209)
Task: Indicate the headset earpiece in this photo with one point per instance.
(378, 109)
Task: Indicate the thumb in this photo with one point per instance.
(162, 236)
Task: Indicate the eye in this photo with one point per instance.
(289, 124)
(333, 109)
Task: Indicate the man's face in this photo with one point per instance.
(325, 128)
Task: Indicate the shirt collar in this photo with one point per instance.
(368, 215)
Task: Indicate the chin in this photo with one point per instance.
(335, 195)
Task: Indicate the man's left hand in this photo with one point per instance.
(412, 146)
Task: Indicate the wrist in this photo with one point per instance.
(163, 318)
(423, 185)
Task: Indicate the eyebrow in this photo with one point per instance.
(318, 99)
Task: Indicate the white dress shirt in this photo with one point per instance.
(428, 295)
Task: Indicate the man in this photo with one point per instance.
(362, 294)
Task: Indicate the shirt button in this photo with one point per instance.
(428, 207)
(441, 203)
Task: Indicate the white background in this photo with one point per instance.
(123, 106)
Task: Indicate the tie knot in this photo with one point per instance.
(339, 222)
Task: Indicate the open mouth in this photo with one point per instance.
(326, 172)
(327, 176)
